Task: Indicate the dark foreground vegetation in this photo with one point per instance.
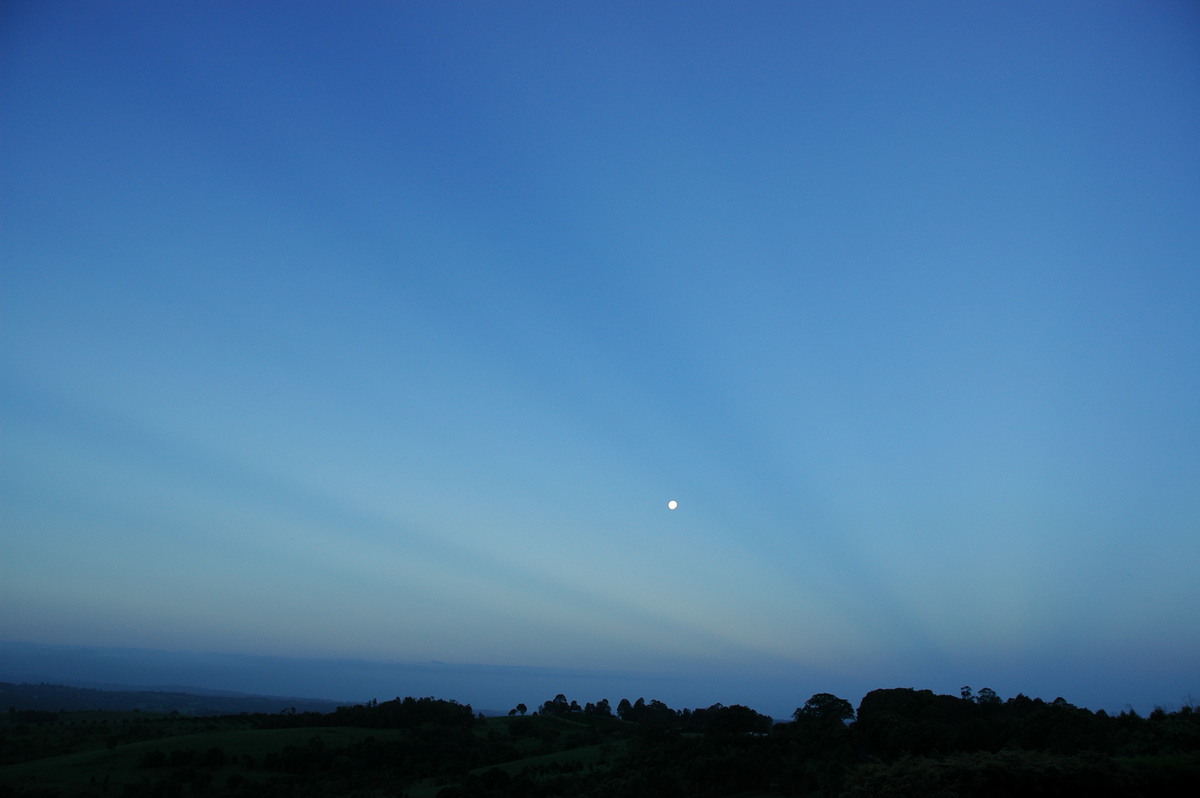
(900, 742)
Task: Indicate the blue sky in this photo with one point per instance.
(387, 330)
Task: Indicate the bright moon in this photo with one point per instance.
(671, 505)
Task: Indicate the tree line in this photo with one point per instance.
(899, 741)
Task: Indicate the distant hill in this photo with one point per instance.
(57, 697)
(344, 680)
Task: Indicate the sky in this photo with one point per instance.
(386, 331)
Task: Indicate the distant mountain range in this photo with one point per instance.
(325, 682)
(56, 698)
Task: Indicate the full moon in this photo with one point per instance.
(671, 505)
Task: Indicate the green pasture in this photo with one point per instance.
(122, 763)
(100, 748)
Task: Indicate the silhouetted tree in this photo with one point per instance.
(902, 720)
(656, 713)
(988, 696)
(557, 706)
(721, 719)
(825, 708)
(599, 708)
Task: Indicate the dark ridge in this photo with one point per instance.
(186, 701)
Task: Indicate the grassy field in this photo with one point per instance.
(242, 753)
(94, 749)
(419, 747)
(546, 731)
